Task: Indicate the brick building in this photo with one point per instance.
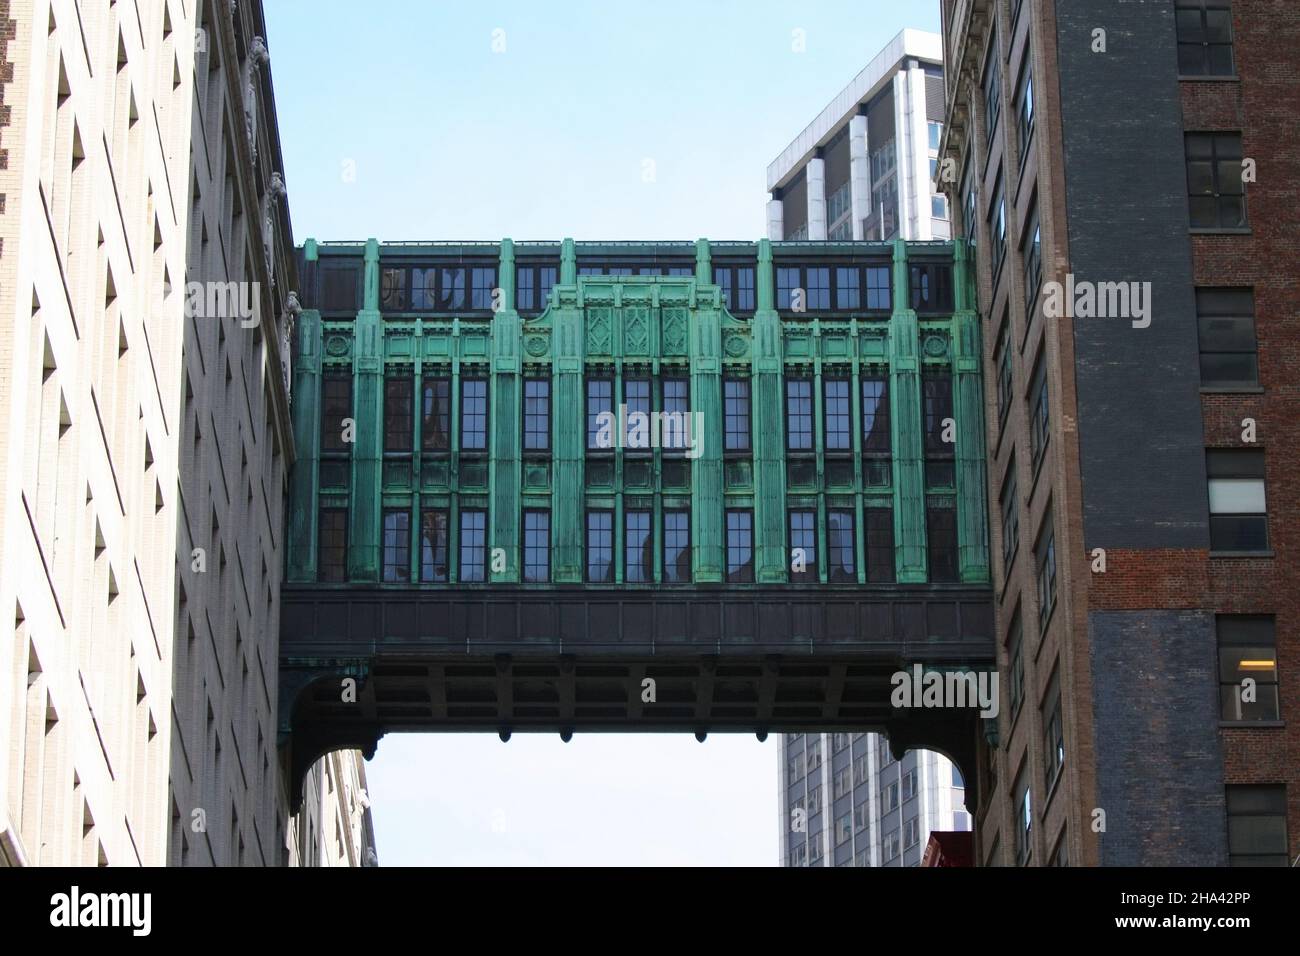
(1143, 511)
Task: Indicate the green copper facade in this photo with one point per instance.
(737, 322)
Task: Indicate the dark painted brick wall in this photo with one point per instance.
(1159, 758)
(1138, 389)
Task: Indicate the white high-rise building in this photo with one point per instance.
(863, 170)
(146, 301)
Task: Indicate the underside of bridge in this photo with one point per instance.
(358, 663)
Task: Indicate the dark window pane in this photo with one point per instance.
(638, 547)
(880, 545)
(838, 430)
(941, 535)
(600, 405)
(798, 414)
(336, 405)
(473, 414)
(392, 290)
(736, 394)
(537, 546)
(473, 545)
(600, 547)
(537, 414)
(803, 546)
(332, 537)
(398, 414)
(435, 434)
(677, 546)
(740, 546)
(397, 546)
(451, 290)
(841, 566)
(433, 546)
(846, 288)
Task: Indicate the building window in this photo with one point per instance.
(398, 414)
(473, 545)
(875, 429)
(677, 547)
(533, 288)
(1025, 113)
(1016, 690)
(736, 413)
(880, 545)
(677, 410)
(1024, 821)
(1039, 422)
(435, 429)
(835, 407)
(473, 414)
(998, 227)
(843, 829)
(600, 547)
(537, 414)
(737, 283)
(848, 292)
(941, 538)
(1061, 855)
(1204, 37)
(1247, 653)
(879, 289)
(840, 565)
(1004, 374)
(332, 547)
(600, 402)
(392, 290)
(803, 546)
(814, 282)
(451, 290)
(397, 545)
(336, 405)
(740, 547)
(931, 287)
(889, 797)
(911, 833)
(936, 389)
(992, 87)
(936, 133)
(483, 283)
(1033, 256)
(636, 396)
(1010, 508)
(1053, 734)
(537, 546)
(434, 546)
(1257, 825)
(1045, 561)
(1226, 323)
(1238, 509)
(1216, 193)
(638, 547)
(798, 414)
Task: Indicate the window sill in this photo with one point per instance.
(1232, 389)
(1252, 724)
(1270, 553)
(1204, 78)
(1219, 231)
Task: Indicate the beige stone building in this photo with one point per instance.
(146, 279)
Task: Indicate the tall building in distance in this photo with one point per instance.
(146, 288)
(1120, 169)
(863, 170)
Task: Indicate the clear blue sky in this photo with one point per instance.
(398, 120)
